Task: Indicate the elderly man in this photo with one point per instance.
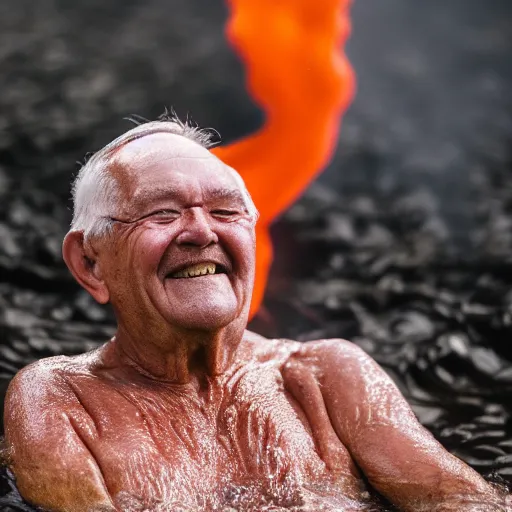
(184, 409)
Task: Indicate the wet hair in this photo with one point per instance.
(95, 189)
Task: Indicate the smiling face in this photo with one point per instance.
(182, 250)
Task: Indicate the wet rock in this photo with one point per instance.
(411, 327)
(505, 375)
(486, 360)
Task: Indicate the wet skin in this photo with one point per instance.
(184, 407)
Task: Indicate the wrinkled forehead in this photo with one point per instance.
(148, 165)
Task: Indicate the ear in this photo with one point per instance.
(81, 261)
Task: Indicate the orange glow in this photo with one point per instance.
(297, 73)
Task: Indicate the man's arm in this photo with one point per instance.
(400, 458)
(54, 469)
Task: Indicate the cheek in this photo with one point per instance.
(241, 243)
(145, 250)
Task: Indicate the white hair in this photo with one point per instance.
(95, 190)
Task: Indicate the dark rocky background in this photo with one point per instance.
(404, 243)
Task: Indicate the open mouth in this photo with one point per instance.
(198, 270)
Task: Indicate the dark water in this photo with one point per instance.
(403, 246)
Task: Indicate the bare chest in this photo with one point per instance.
(243, 443)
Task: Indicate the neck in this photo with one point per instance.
(179, 355)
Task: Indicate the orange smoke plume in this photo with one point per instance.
(297, 73)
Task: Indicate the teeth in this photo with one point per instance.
(201, 269)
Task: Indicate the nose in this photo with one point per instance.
(197, 230)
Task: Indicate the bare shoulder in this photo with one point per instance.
(42, 411)
(317, 355)
(47, 376)
(38, 379)
(336, 347)
(259, 348)
(28, 396)
(346, 372)
(39, 385)
(323, 356)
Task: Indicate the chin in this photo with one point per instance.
(207, 319)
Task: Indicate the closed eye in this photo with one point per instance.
(159, 215)
(224, 213)
(162, 215)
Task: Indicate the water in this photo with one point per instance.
(288, 498)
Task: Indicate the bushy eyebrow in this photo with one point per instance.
(228, 193)
(146, 197)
